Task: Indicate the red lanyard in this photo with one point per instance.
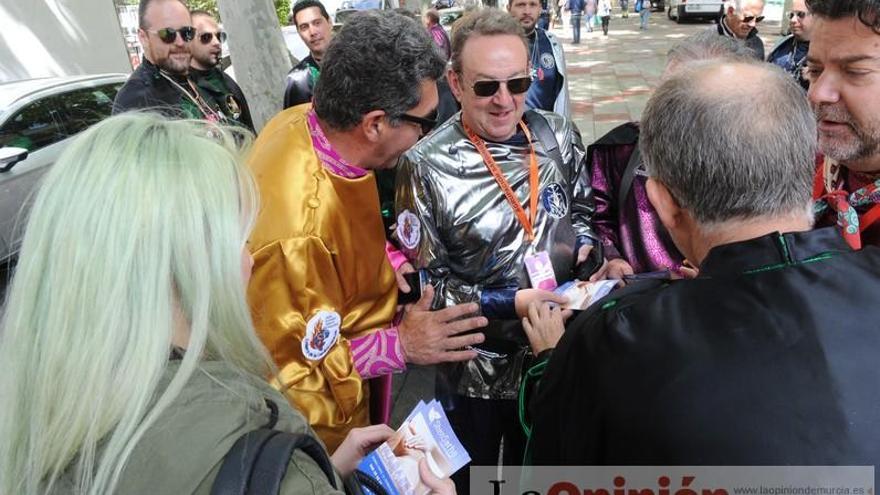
(527, 222)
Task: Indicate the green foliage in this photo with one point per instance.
(282, 7)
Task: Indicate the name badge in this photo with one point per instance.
(540, 271)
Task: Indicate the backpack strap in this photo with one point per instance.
(541, 128)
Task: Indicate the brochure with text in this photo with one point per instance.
(425, 434)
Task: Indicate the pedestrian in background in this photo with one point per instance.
(604, 12)
(590, 13)
(644, 10)
(624, 7)
(576, 7)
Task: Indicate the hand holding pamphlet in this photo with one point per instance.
(582, 294)
(425, 435)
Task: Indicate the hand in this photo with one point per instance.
(358, 443)
(402, 270)
(613, 269)
(525, 297)
(688, 270)
(544, 326)
(435, 484)
(431, 337)
(415, 442)
(583, 253)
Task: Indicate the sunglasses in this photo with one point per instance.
(799, 13)
(516, 86)
(169, 35)
(206, 38)
(426, 123)
(749, 18)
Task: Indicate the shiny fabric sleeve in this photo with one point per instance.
(583, 205)
(427, 251)
(378, 353)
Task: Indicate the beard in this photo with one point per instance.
(207, 59)
(863, 141)
(175, 66)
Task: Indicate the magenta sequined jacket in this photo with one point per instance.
(634, 232)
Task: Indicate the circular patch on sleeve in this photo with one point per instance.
(547, 60)
(409, 229)
(322, 331)
(555, 200)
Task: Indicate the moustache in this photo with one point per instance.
(834, 113)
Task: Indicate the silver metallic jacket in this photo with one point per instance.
(454, 223)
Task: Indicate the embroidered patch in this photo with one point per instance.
(547, 61)
(554, 200)
(322, 331)
(409, 229)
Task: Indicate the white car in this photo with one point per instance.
(680, 10)
(37, 119)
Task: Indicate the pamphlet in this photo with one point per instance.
(582, 294)
(425, 434)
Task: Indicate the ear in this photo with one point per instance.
(373, 124)
(730, 10)
(664, 203)
(144, 38)
(455, 83)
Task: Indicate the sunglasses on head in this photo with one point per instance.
(206, 38)
(169, 35)
(799, 13)
(749, 18)
(426, 123)
(516, 86)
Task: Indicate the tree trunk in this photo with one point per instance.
(259, 55)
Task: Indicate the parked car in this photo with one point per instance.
(449, 16)
(658, 5)
(680, 10)
(37, 119)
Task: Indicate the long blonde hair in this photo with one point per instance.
(140, 217)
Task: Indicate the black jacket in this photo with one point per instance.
(226, 94)
(752, 40)
(767, 358)
(300, 82)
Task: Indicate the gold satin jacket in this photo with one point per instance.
(318, 245)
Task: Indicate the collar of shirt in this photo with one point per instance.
(330, 159)
(772, 251)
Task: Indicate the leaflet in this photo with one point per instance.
(582, 294)
(424, 435)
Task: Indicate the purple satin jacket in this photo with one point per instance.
(634, 232)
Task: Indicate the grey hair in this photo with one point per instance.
(740, 152)
(482, 22)
(706, 45)
(376, 62)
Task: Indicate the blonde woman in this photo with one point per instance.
(130, 364)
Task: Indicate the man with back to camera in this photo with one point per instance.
(764, 358)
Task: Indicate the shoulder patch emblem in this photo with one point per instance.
(547, 60)
(555, 201)
(322, 331)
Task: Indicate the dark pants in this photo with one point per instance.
(605, 19)
(480, 425)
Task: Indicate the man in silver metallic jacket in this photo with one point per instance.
(478, 199)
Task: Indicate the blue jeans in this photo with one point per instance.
(644, 14)
(576, 27)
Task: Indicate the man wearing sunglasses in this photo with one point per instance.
(791, 52)
(483, 202)
(161, 82)
(320, 261)
(740, 21)
(207, 48)
(549, 89)
(313, 25)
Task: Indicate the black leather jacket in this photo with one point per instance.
(300, 82)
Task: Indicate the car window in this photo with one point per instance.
(88, 106)
(35, 126)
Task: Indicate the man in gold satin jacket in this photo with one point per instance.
(324, 287)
